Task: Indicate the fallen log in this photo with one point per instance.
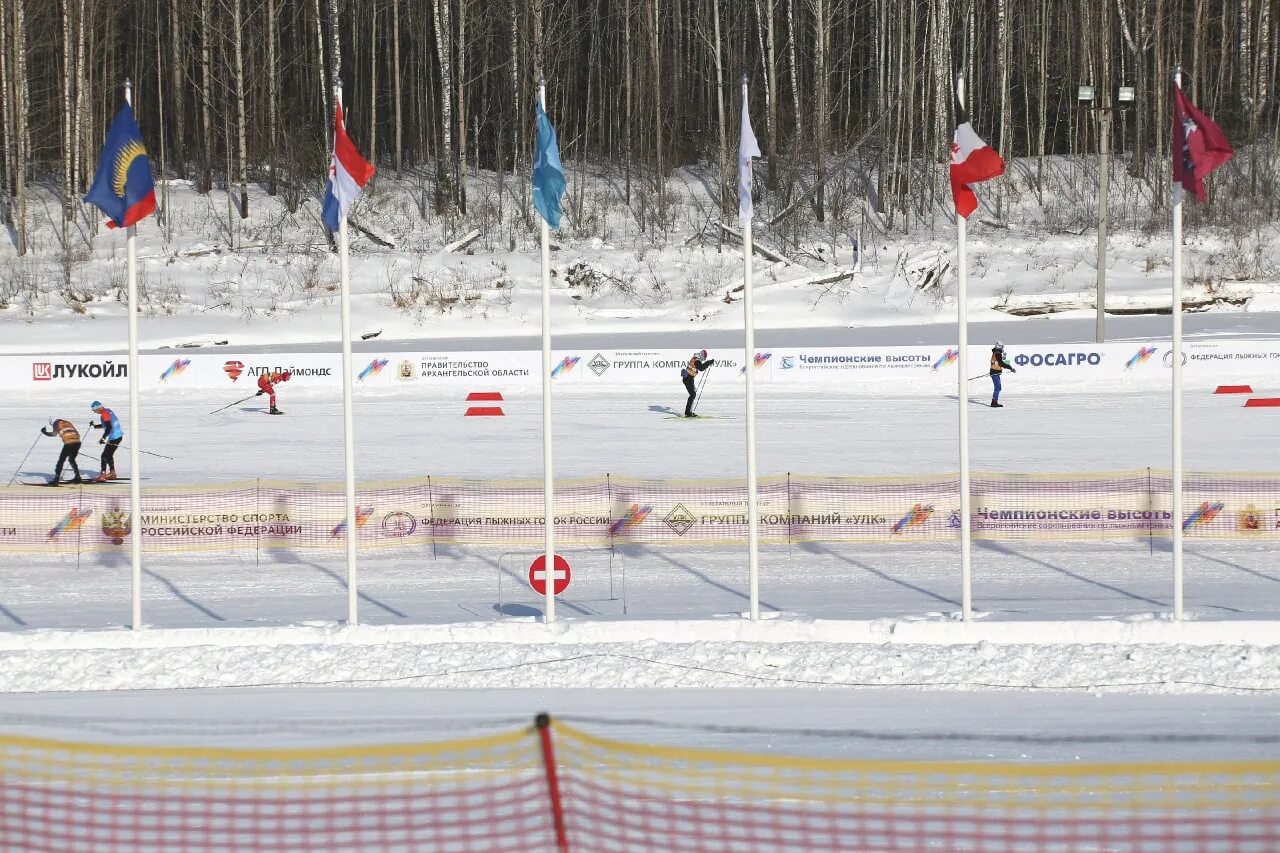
(760, 249)
(463, 242)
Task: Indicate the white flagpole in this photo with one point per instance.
(962, 365)
(135, 452)
(548, 483)
(348, 412)
(1176, 506)
(748, 307)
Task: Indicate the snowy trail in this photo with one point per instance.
(621, 433)
(855, 724)
(678, 671)
(632, 433)
(1011, 582)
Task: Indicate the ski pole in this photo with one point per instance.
(236, 403)
(149, 453)
(701, 385)
(23, 462)
(979, 376)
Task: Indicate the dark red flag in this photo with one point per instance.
(1199, 145)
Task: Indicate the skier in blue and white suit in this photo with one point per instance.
(113, 434)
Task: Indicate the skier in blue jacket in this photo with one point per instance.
(112, 435)
(998, 366)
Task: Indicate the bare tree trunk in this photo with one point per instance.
(162, 215)
(822, 91)
(1162, 81)
(1003, 69)
(1255, 81)
(335, 42)
(518, 125)
(445, 190)
(942, 91)
(627, 85)
(1226, 37)
(459, 178)
(771, 103)
(8, 159)
(1043, 97)
(723, 183)
(655, 65)
(22, 138)
(373, 82)
(326, 85)
(68, 153)
(177, 84)
(206, 89)
(273, 101)
(537, 45)
(85, 112)
(242, 152)
(793, 35)
(395, 62)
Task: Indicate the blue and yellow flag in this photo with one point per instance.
(122, 188)
(548, 173)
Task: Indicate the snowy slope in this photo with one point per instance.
(277, 285)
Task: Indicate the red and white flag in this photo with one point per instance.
(972, 160)
(1199, 145)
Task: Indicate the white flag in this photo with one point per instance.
(747, 148)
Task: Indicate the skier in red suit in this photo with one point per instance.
(267, 383)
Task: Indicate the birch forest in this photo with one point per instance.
(852, 100)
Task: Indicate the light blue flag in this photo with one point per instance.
(548, 173)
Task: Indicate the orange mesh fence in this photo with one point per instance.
(627, 797)
(554, 787)
(610, 511)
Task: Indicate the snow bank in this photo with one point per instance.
(1146, 655)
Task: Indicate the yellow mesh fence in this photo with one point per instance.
(558, 788)
(477, 794)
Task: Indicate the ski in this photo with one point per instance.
(698, 418)
(72, 483)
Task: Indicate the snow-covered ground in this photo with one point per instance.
(883, 723)
(271, 279)
(840, 616)
(631, 434)
(1090, 618)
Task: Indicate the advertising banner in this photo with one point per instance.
(610, 512)
(905, 370)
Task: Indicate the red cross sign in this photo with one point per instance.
(538, 575)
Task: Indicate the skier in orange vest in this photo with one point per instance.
(70, 436)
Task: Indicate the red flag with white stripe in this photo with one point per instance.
(972, 161)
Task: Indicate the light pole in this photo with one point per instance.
(1085, 96)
